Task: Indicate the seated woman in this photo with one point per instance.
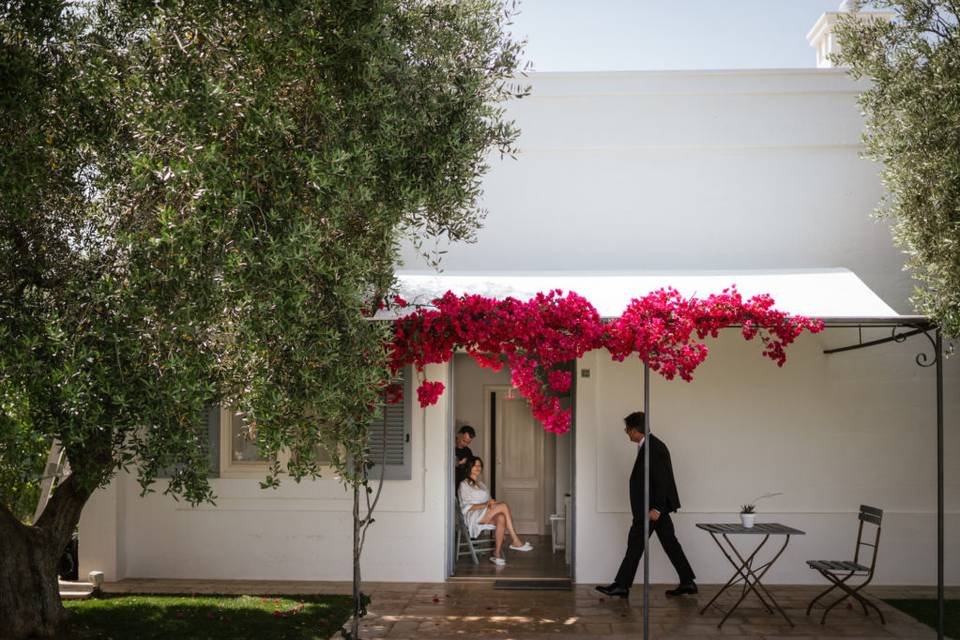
(482, 513)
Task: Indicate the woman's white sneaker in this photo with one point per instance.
(526, 546)
(498, 561)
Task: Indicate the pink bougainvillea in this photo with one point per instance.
(535, 338)
(429, 392)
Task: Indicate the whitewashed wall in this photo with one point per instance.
(298, 532)
(641, 171)
(755, 169)
(830, 432)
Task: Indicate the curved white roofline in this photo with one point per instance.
(838, 295)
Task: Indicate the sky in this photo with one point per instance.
(620, 35)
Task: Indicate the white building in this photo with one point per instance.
(674, 175)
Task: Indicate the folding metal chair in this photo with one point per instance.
(838, 572)
(471, 546)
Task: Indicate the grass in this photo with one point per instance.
(207, 617)
(926, 612)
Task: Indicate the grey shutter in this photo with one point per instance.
(213, 441)
(213, 438)
(390, 436)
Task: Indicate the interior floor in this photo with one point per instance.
(541, 563)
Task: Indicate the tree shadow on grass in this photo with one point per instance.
(202, 617)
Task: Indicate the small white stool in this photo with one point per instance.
(558, 531)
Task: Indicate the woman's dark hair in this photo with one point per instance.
(469, 467)
(467, 429)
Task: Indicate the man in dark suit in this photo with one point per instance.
(462, 453)
(663, 501)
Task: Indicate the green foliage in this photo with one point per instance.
(20, 483)
(913, 128)
(204, 202)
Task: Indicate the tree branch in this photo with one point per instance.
(62, 513)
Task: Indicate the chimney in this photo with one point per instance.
(822, 38)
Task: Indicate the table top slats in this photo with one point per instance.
(759, 528)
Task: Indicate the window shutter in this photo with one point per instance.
(213, 438)
(389, 436)
(213, 441)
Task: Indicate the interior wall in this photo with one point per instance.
(829, 432)
(469, 403)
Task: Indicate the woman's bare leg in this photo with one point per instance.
(501, 525)
(501, 509)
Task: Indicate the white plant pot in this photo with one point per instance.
(746, 519)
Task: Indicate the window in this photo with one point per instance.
(239, 455)
(389, 442)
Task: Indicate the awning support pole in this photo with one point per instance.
(646, 502)
(940, 595)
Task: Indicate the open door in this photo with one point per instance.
(520, 473)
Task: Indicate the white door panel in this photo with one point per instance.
(519, 458)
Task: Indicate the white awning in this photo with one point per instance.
(834, 294)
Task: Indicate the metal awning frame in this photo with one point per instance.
(916, 325)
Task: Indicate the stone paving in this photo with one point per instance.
(475, 610)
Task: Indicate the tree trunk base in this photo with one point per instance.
(30, 604)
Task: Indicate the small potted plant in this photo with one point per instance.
(749, 511)
(747, 514)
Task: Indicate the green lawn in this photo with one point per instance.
(207, 617)
(926, 612)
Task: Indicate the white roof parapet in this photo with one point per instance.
(822, 38)
(834, 294)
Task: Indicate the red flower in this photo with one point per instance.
(539, 335)
(429, 392)
(559, 381)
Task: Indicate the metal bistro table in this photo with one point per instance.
(745, 571)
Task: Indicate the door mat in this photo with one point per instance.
(534, 585)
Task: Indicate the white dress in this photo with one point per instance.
(471, 495)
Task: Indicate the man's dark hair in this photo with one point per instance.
(635, 421)
(467, 429)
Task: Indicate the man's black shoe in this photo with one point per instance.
(613, 590)
(684, 590)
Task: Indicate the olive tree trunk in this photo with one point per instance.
(30, 604)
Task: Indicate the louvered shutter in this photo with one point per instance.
(213, 440)
(390, 436)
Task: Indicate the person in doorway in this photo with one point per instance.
(481, 513)
(663, 501)
(462, 453)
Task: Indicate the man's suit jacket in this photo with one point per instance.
(663, 487)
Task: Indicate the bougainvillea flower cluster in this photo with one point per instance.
(538, 338)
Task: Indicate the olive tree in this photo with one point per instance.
(912, 112)
(202, 203)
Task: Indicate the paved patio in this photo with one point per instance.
(478, 612)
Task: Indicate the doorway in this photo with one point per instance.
(524, 465)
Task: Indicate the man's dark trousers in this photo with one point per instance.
(635, 546)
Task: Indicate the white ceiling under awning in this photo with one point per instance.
(834, 294)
